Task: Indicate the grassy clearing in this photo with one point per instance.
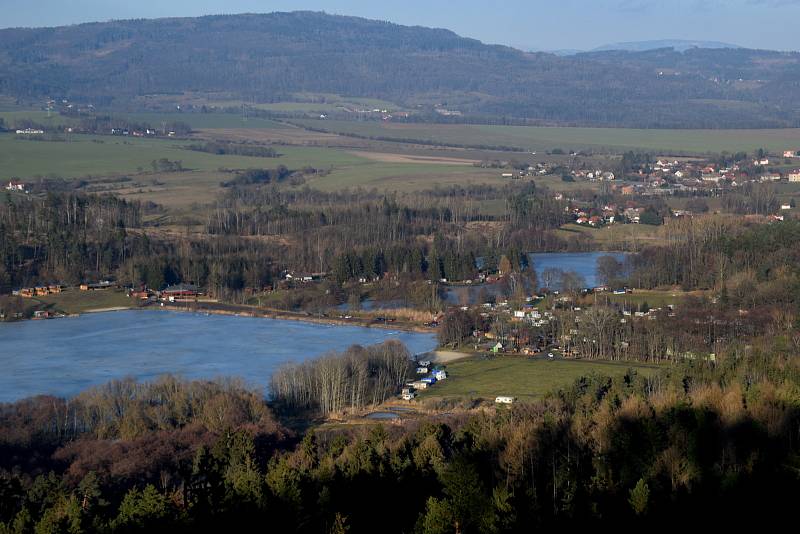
(402, 176)
(75, 301)
(615, 236)
(555, 183)
(598, 139)
(655, 298)
(521, 377)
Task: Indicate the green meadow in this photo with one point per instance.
(518, 376)
(103, 155)
(548, 138)
(198, 121)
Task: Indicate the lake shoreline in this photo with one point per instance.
(239, 310)
(64, 358)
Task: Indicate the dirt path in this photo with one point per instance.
(386, 157)
(447, 356)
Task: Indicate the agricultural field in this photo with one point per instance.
(91, 157)
(615, 236)
(155, 120)
(314, 103)
(521, 377)
(529, 138)
(103, 155)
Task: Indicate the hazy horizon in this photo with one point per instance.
(531, 25)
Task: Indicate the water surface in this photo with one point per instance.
(583, 263)
(65, 356)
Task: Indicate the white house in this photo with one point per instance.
(15, 185)
(502, 399)
(794, 176)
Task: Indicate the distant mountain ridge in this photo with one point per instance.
(267, 57)
(679, 45)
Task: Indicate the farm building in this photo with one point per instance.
(100, 286)
(180, 291)
(15, 185)
(502, 399)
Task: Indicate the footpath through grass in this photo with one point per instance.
(521, 377)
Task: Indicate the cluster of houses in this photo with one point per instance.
(537, 169)
(16, 186)
(147, 132)
(30, 131)
(38, 291)
(690, 175)
(594, 175)
(430, 375)
(173, 293)
(669, 176)
(630, 212)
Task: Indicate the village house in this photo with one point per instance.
(770, 177)
(180, 291)
(790, 153)
(30, 131)
(15, 185)
(794, 176)
(101, 286)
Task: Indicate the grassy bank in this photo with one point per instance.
(74, 301)
(521, 377)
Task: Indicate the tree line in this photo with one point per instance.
(696, 442)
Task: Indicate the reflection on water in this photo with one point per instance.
(582, 263)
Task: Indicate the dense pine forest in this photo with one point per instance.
(266, 58)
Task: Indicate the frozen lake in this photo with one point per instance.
(65, 356)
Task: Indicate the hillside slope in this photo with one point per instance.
(265, 57)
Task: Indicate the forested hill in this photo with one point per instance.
(266, 57)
